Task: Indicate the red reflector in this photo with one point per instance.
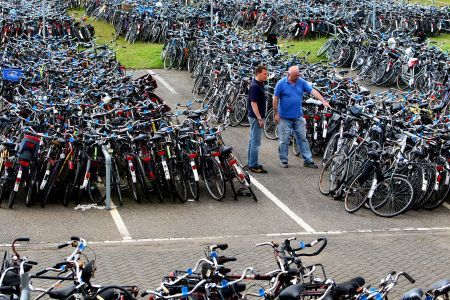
(151, 175)
(147, 159)
(316, 117)
(161, 153)
(328, 115)
(217, 153)
(71, 165)
(232, 162)
(440, 168)
(439, 178)
(241, 176)
(360, 139)
(33, 138)
(8, 164)
(18, 180)
(130, 157)
(30, 145)
(194, 167)
(87, 176)
(52, 162)
(193, 155)
(306, 117)
(24, 163)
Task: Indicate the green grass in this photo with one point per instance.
(442, 42)
(430, 2)
(312, 46)
(137, 56)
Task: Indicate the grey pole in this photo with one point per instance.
(374, 15)
(211, 12)
(108, 177)
(44, 8)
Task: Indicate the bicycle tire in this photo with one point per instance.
(337, 164)
(384, 205)
(194, 186)
(210, 169)
(270, 127)
(178, 180)
(361, 189)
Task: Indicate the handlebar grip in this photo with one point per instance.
(412, 280)
(62, 246)
(32, 262)
(75, 238)
(41, 272)
(144, 294)
(22, 239)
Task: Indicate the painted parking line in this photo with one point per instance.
(160, 79)
(120, 224)
(282, 206)
(446, 205)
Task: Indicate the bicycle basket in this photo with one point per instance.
(28, 148)
(12, 75)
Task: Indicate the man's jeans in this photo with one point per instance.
(298, 127)
(254, 143)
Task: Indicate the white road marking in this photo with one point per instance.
(283, 206)
(446, 205)
(268, 236)
(160, 79)
(120, 224)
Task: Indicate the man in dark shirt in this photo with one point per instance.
(256, 115)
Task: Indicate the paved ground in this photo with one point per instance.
(153, 238)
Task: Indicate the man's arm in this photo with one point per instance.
(275, 108)
(318, 96)
(257, 113)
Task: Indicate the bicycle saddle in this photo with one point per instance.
(292, 292)
(225, 151)
(349, 287)
(62, 293)
(413, 294)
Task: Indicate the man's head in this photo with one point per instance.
(293, 74)
(261, 73)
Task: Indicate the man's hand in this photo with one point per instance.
(326, 103)
(276, 117)
(261, 123)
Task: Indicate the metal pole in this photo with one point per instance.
(211, 12)
(44, 8)
(374, 15)
(108, 177)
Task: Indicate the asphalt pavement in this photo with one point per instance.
(139, 243)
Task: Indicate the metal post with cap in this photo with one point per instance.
(43, 11)
(374, 5)
(211, 12)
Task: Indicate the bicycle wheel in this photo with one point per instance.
(193, 184)
(356, 193)
(441, 190)
(270, 127)
(325, 46)
(178, 180)
(31, 185)
(333, 174)
(115, 182)
(330, 148)
(214, 178)
(295, 148)
(392, 196)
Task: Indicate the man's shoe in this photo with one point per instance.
(311, 165)
(245, 167)
(258, 170)
(284, 165)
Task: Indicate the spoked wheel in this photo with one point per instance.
(178, 180)
(333, 174)
(193, 184)
(392, 196)
(270, 127)
(214, 178)
(356, 193)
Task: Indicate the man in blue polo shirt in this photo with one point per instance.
(287, 105)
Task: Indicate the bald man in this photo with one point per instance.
(287, 105)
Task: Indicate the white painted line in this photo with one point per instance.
(267, 235)
(446, 205)
(119, 223)
(281, 205)
(168, 86)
